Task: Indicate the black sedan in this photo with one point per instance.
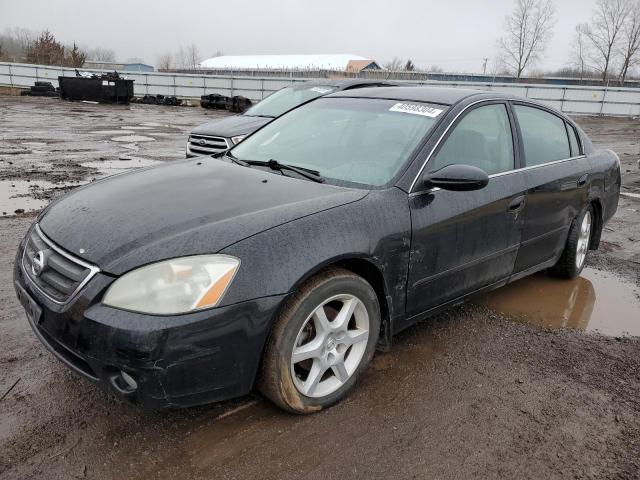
(223, 133)
(284, 263)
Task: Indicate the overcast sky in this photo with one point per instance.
(454, 34)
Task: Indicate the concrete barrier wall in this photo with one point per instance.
(589, 100)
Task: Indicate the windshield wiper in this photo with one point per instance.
(235, 159)
(275, 165)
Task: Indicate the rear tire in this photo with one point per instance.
(322, 340)
(574, 255)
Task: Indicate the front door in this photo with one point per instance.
(463, 241)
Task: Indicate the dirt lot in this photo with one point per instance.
(469, 394)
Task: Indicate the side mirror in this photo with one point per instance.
(459, 178)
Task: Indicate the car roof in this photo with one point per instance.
(347, 83)
(427, 94)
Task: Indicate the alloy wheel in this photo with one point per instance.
(583, 239)
(330, 345)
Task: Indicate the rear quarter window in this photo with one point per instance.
(543, 134)
(573, 141)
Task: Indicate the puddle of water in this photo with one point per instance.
(596, 301)
(21, 195)
(113, 132)
(14, 195)
(133, 138)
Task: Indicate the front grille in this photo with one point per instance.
(56, 273)
(206, 145)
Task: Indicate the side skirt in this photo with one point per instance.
(462, 299)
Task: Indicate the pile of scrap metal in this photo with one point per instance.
(41, 89)
(109, 76)
(237, 104)
(158, 100)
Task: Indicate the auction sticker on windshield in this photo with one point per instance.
(321, 90)
(416, 109)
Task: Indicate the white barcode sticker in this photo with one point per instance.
(321, 90)
(416, 109)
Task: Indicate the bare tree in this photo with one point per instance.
(181, 58)
(409, 66)
(165, 61)
(15, 43)
(100, 54)
(630, 50)
(24, 37)
(604, 32)
(193, 56)
(394, 65)
(579, 50)
(527, 31)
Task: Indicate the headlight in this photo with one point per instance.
(238, 139)
(174, 286)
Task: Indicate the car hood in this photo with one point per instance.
(182, 208)
(231, 126)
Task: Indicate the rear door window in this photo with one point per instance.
(543, 134)
(482, 139)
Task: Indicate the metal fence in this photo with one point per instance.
(414, 76)
(589, 100)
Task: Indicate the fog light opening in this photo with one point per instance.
(124, 383)
(128, 379)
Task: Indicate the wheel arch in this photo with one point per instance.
(370, 271)
(596, 205)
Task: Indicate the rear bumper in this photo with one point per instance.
(174, 361)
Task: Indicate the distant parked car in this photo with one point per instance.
(287, 261)
(222, 134)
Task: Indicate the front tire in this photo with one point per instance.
(573, 257)
(321, 342)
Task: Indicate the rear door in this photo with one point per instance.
(556, 176)
(463, 241)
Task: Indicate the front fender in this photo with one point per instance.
(376, 228)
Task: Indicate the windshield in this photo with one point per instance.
(347, 140)
(287, 98)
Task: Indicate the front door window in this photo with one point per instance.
(482, 139)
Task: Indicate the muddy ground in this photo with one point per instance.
(474, 393)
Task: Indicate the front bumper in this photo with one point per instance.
(175, 361)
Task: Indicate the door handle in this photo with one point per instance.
(516, 204)
(582, 181)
